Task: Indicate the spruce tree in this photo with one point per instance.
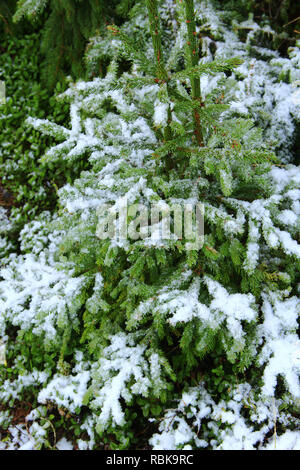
(202, 342)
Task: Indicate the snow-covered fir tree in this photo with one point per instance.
(199, 347)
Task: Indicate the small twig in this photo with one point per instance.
(293, 21)
(171, 422)
(53, 429)
(6, 23)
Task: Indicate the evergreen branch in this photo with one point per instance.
(258, 156)
(29, 8)
(170, 146)
(49, 128)
(137, 56)
(209, 114)
(251, 156)
(161, 73)
(132, 82)
(193, 60)
(210, 68)
(154, 23)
